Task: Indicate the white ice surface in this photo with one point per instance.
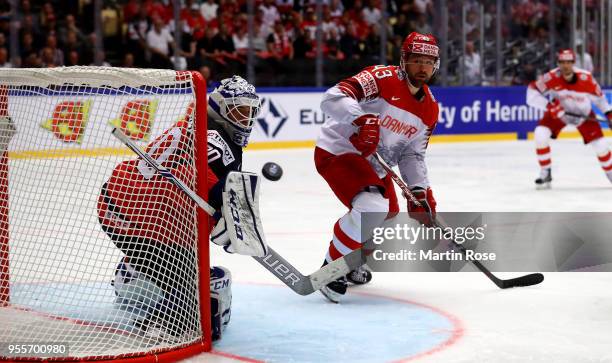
(568, 318)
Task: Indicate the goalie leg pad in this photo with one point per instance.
(220, 300)
(133, 289)
(241, 213)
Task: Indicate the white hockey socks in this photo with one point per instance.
(542, 136)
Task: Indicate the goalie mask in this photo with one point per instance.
(235, 105)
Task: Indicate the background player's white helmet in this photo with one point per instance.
(235, 105)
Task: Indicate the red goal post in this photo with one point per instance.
(56, 262)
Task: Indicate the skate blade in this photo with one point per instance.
(543, 186)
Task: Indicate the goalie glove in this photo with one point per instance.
(425, 213)
(368, 134)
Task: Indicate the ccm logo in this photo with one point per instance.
(281, 270)
(233, 204)
(217, 285)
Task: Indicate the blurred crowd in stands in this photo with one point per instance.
(214, 36)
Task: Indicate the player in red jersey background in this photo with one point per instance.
(384, 109)
(572, 92)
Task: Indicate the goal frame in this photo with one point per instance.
(204, 343)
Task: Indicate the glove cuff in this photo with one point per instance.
(361, 120)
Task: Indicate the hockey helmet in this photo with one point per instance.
(565, 55)
(235, 105)
(417, 43)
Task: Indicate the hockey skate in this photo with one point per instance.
(543, 182)
(359, 276)
(335, 290)
(609, 175)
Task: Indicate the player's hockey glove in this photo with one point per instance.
(609, 117)
(368, 134)
(426, 212)
(555, 109)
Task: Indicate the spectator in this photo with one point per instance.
(194, 20)
(46, 58)
(27, 46)
(424, 7)
(186, 57)
(26, 11)
(279, 45)
(207, 74)
(156, 8)
(269, 13)
(73, 58)
(241, 41)
(130, 10)
(336, 9)
(29, 26)
(525, 75)
(401, 25)
(206, 49)
(158, 44)
(72, 43)
(301, 44)
(284, 6)
(128, 61)
(329, 25)
(224, 45)
(332, 46)
(70, 26)
(585, 63)
(309, 24)
(349, 42)
(4, 62)
(100, 59)
(208, 9)
(472, 65)
(57, 56)
(422, 26)
(47, 17)
(137, 34)
(371, 13)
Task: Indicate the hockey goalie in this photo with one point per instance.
(152, 223)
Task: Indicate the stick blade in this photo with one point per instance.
(527, 280)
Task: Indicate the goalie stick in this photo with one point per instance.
(273, 262)
(527, 280)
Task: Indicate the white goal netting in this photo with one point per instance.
(98, 253)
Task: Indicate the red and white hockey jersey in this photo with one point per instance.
(576, 96)
(406, 120)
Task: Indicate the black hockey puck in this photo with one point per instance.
(272, 171)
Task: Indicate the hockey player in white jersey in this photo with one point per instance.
(384, 109)
(567, 93)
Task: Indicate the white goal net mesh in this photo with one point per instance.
(98, 253)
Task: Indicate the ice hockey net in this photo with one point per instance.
(56, 262)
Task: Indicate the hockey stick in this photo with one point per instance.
(596, 118)
(527, 280)
(273, 262)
